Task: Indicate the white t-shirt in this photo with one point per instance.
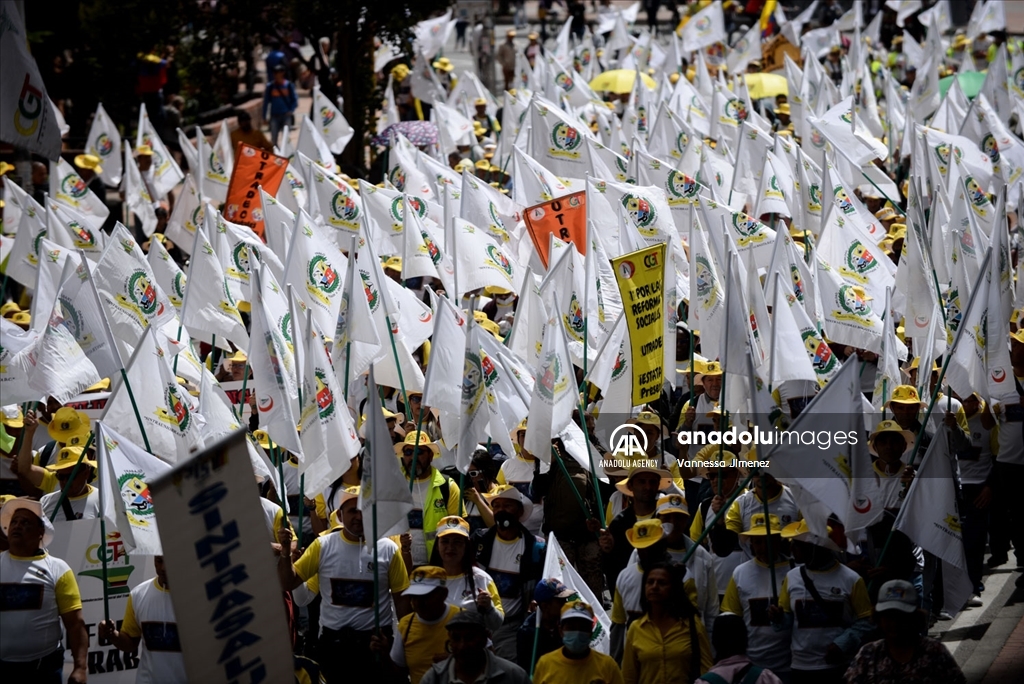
(976, 465)
(1011, 441)
(503, 568)
(750, 587)
(418, 548)
(36, 590)
(846, 600)
(462, 595)
(345, 575)
(150, 615)
(85, 507)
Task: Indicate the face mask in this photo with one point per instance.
(576, 642)
(504, 520)
(667, 527)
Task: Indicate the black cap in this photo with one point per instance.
(466, 618)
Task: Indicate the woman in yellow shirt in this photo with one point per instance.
(668, 645)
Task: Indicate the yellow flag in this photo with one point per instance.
(640, 277)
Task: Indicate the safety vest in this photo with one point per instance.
(435, 507)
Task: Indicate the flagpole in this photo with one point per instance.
(135, 408)
(739, 152)
(767, 537)
(724, 420)
(241, 397)
(713, 520)
(103, 523)
(184, 302)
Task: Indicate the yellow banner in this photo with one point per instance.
(640, 277)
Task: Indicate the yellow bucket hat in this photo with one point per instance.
(66, 423)
(906, 394)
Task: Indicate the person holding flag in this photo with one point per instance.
(344, 570)
(149, 622)
(576, 661)
(436, 494)
(750, 594)
(82, 501)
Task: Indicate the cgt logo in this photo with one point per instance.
(651, 260)
(30, 107)
(628, 440)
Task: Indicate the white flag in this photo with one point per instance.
(328, 437)
(27, 120)
(165, 409)
(186, 215)
(56, 365)
(557, 566)
(128, 288)
(706, 27)
(480, 262)
(68, 187)
(316, 269)
(335, 200)
(559, 143)
(167, 273)
(827, 474)
(273, 367)
(331, 121)
(104, 142)
(85, 319)
(208, 305)
(166, 172)
(384, 490)
(137, 195)
(125, 472)
(554, 393)
(746, 50)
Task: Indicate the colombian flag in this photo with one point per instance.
(769, 27)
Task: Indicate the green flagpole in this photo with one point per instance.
(241, 398)
(135, 407)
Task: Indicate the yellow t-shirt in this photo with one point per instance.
(651, 657)
(596, 668)
(417, 642)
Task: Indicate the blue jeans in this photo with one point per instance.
(277, 123)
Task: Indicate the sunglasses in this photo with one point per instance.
(475, 473)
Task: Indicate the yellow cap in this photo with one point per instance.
(891, 426)
(394, 263)
(483, 164)
(672, 503)
(452, 524)
(645, 533)
(143, 150)
(12, 417)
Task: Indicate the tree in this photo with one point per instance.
(356, 23)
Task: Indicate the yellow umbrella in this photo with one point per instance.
(619, 81)
(766, 85)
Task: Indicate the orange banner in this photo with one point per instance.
(253, 168)
(564, 217)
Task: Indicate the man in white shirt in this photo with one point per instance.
(83, 500)
(149, 622)
(38, 596)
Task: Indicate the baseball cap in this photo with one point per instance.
(575, 610)
(548, 589)
(452, 524)
(672, 503)
(426, 579)
(645, 533)
(897, 595)
(466, 618)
